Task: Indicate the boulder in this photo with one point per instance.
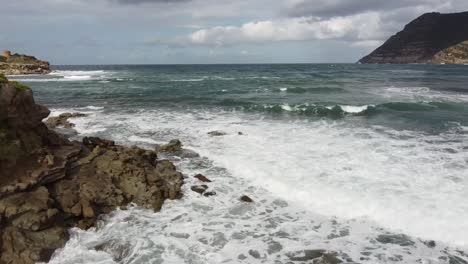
(173, 146)
(62, 120)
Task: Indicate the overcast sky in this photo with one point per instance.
(206, 31)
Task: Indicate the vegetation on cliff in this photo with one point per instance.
(424, 40)
(14, 64)
(49, 183)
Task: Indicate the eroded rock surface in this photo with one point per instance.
(14, 64)
(431, 38)
(49, 184)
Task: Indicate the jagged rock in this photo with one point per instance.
(173, 146)
(428, 39)
(246, 199)
(62, 120)
(49, 184)
(317, 256)
(22, 64)
(208, 194)
(199, 188)
(217, 133)
(202, 178)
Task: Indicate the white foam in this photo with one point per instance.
(372, 179)
(284, 89)
(134, 138)
(413, 94)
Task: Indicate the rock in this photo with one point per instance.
(202, 178)
(317, 256)
(199, 188)
(18, 64)
(246, 199)
(93, 142)
(240, 133)
(49, 184)
(217, 133)
(431, 38)
(254, 253)
(397, 239)
(430, 243)
(62, 120)
(207, 194)
(173, 146)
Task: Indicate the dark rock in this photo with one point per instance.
(240, 133)
(217, 133)
(317, 256)
(173, 146)
(199, 188)
(246, 199)
(397, 239)
(431, 38)
(49, 184)
(430, 243)
(202, 178)
(62, 120)
(207, 194)
(254, 253)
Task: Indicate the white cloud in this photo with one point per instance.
(367, 26)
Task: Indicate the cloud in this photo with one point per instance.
(149, 1)
(366, 26)
(331, 8)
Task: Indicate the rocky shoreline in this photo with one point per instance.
(432, 38)
(20, 64)
(49, 184)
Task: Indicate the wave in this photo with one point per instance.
(340, 111)
(300, 90)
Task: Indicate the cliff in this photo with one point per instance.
(431, 38)
(49, 183)
(22, 64)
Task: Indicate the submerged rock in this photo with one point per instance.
(62, 120)
(173, 146)
(217, 133)
(317, 256)
(211, 193)
(199, 188)
(49, 184)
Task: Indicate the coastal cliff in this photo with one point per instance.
(15, 64)
(431, 38)
(49, 184)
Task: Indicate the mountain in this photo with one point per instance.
(14, 64)
(430, 38)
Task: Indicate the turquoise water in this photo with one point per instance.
(369, 161)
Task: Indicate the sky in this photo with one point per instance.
(206, 31)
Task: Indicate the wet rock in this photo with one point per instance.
(199, 188)
(49, 184)
(62, 120)
(217, 133)
(117, 250)
(93, 142)
(202, 178)
(246, 199)
(430, 243)
(173, 146)
(240, 133)
(207, 194)
(241, 257)
(254, 253)
(397, 239)
(317, 256)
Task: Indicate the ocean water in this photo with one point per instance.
(370, 162)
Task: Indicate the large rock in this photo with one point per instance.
(49, 184)
(431, 38)
(22, 64)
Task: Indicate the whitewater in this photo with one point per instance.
(370, 166)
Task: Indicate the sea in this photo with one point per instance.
(366, 162)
